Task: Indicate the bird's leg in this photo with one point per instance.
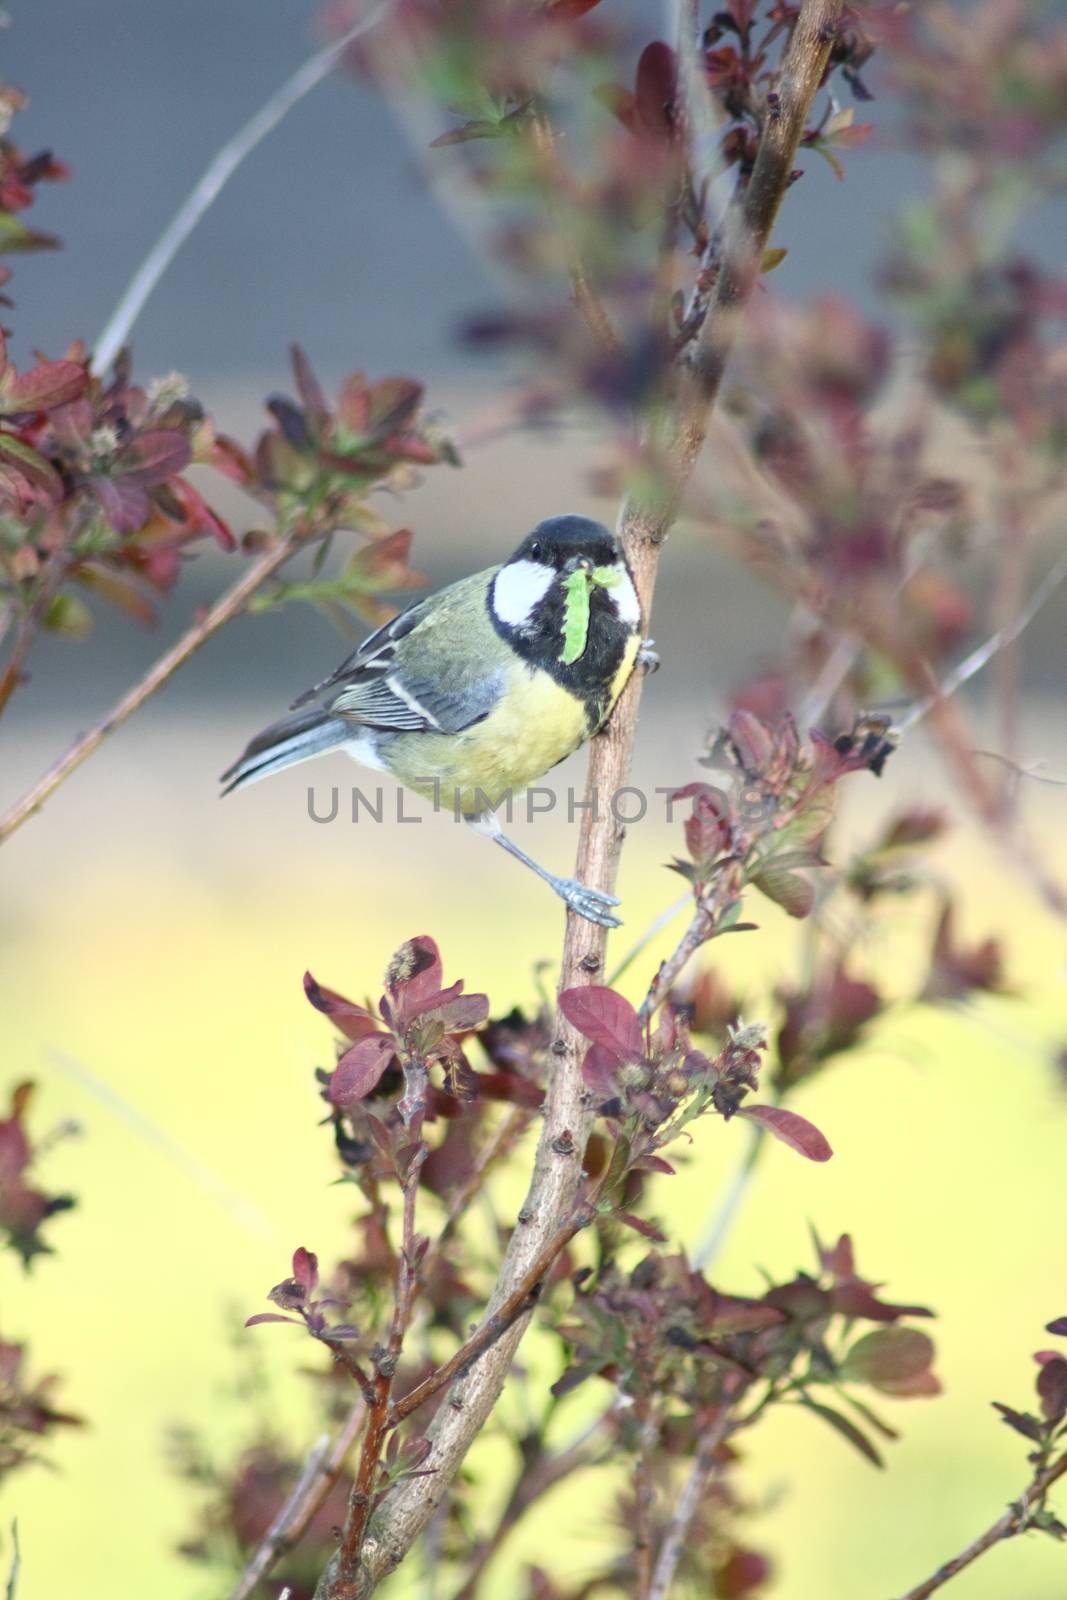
(647, 656)
(588, 903)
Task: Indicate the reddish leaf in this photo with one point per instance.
(606, 1018)
(1021, 1421)
(1059, 1325)
(306, 1269)
(355, 1022)
(50, 383)
(361, 1068)
(731, 1313)
(415, 972)
(655, 90)
(307, 386)
(125, 504)
(353, 404)
(38, 474)
(795, 1131)
(598, 1069)
(153, 457)
(270, 1316)
(461, 1014)
(647, 1230)
(393, 403)
(1052, 1389)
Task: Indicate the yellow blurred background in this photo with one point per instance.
(152, 943)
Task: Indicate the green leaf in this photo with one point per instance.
(773, 258)
(847, 1429)
(69, 616)
(895, 1360)
(795, 895)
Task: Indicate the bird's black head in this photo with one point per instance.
(563, 542)
(566, 603)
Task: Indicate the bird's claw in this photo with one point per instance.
(647, 656)
(591, 904)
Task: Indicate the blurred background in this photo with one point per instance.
(152, 940)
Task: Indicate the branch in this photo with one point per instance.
(232, 602)
(644, 526)
(219, 170)
(497, 1322)
(670, 1550)
(1015, 1520)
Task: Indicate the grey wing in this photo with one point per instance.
(409, 689)
(376, 654)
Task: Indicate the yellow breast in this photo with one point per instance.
(535, 725)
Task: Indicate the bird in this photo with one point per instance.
(476, 691)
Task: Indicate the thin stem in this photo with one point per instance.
(28, 628)
(664, 920)
(379, 1418)
(585, 296)
(232, 602)
(1015, 1520)
(531, 1485)
(644, 1494)
(670, 1551)
(317, 1478)
(982, 654)
(219, 170)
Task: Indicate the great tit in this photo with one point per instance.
(471, 694)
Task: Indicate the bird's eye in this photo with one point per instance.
(535, 550)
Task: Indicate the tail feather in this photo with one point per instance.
(284, 743)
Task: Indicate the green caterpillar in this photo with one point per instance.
(576, 608)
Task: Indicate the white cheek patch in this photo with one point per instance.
(624, 599)
(518, 589)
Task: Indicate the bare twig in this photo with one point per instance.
(531, 1485)
(379, 1402)
(673, 1543)
(644, 1494)
(232, 602)
(215, 176)
(1015, 1520)
(27, 630)
(16, 1562)
(983, 654)
(643, 525)
(584, 294)
(317, 1478)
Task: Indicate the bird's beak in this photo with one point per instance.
(578, 564)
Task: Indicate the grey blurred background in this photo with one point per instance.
(329, 236)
